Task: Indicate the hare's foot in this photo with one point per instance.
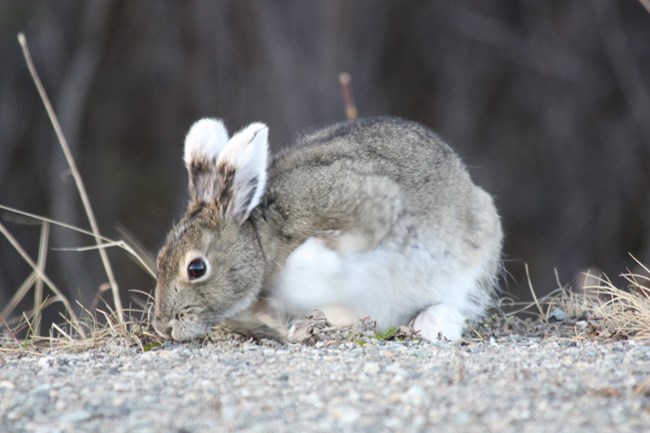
(440, 321)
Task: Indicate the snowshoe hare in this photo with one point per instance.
(376, 216)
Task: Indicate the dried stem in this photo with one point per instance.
(350, 108)
(18, 296)
(38, 288)
(542, 315)
(43, 277)
(75, 173)
(142, 261)
(51, 221)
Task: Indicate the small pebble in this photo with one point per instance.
(371, 368)
(5, 384)
(76, 416)
(346, 415)
(414, 396)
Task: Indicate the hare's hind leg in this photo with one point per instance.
(440, 320)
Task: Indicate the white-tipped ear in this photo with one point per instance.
(204, 142)
(244, 162)
(206, 139)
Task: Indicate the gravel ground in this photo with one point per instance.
(505, 384)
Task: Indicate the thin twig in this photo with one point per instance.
(51, 221)
(42, 276)
(38, 287)
(73, 169)
(13, 335)
(91, 247)
(111, 244)
(532, 291)
(49, 300)
(18, 296)
(98, 296)
(142, 253)
(62, 332)
(121, 244)
(348, 100)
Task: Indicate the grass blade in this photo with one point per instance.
(38, 287)
(73, 169)
(41, 275)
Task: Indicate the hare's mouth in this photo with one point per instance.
(193, 322)
(183, 330)
(197, 324)
(185, 325)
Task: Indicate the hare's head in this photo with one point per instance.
(212, 265)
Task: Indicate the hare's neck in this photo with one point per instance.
(276, 242)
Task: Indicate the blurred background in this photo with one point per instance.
(548, 102)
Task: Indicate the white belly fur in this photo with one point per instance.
(390, 284)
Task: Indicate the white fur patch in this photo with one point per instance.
(309, 279)
(206, 139)
(440, 320)
(247, 151)
(390, 284)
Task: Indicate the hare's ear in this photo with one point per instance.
(242, 168)
(204, 142)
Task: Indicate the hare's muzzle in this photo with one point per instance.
(162, 327)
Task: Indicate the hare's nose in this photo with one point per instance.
(162, 327)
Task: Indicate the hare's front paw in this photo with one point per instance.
(440, 320)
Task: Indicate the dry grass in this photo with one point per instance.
(73, 170)
(597, 311)
(94, 325)
(625, 312)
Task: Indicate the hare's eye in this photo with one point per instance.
(196, 269)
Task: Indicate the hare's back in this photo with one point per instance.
(407, 152)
